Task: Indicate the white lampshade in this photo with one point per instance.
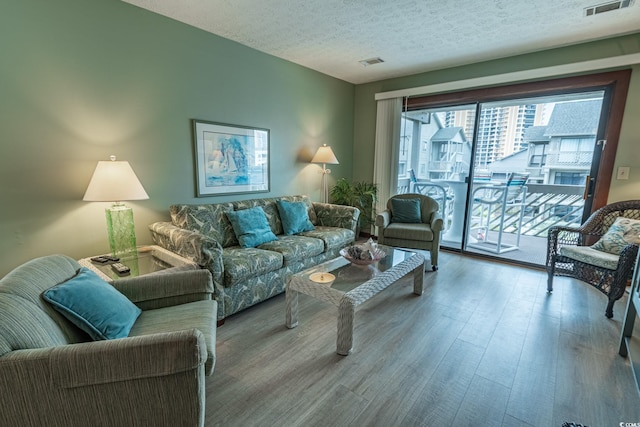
(114, 181)
(325, 155)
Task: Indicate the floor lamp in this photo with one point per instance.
(115, 181)
(325, 156)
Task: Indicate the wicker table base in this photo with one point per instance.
(394, 266)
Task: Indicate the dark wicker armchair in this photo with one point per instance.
(611, 281)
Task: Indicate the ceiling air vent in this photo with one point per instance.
(371, 61)
(606, 7)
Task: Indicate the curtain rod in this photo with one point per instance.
(555, 70)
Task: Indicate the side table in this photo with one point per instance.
(148, 260)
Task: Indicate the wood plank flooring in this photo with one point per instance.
(485, 345)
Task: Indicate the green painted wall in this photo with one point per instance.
(628, 153)
(83, 79)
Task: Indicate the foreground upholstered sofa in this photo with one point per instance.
(242, 276)
(53, 374)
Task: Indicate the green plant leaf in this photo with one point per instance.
(362, 195)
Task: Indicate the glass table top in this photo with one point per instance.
(149, 259)
(349, 276)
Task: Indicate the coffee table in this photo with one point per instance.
(354, 284)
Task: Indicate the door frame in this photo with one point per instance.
(616, 83)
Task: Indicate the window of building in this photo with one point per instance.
(569, 178)
(538, 154)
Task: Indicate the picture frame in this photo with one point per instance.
(230, 159)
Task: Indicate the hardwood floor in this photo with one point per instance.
(485, 345)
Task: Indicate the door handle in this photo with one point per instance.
(588, 187)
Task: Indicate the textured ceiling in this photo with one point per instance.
(411, 36)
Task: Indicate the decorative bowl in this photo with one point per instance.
(378, 254)
(322, 278)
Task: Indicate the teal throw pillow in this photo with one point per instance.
(251, 227)
(406, 210)
(294, 216)
(93, 305)
(623, 231)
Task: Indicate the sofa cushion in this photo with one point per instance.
(241, 264)
(408, 231)
(251, 227)
(591, 256)
(201, 315)
(209, 220)
(623, 231)
(405, 210)
(307, 202)
(93, 305)
(270, 211)
(295, 248)
(333, 237)
(294, 217)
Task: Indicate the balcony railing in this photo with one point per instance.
(577, 158)
(548, 205)
(545, 206)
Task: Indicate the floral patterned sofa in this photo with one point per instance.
(243, 276)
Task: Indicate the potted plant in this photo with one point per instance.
(362, 195)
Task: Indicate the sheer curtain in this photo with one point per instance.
(385, 167)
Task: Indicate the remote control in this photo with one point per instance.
(120, 268)
(111, 258)
(100, 259)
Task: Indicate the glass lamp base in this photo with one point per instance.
(121, 230)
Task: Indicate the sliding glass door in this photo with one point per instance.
(533, 161)
(504, 171)
(435, 153)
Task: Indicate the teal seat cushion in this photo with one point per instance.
(405, 210)
(93, 305)
(251, 227)
(409, 231)
(294, 216)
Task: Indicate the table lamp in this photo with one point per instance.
(115, 181)
(325, 155)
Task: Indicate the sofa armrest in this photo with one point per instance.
(98, 362)
(157, 378)
(161, 290)
(383, 219)
(203, 250)
(436, 222)
(331, 215)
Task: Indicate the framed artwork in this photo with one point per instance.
(230, 159)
